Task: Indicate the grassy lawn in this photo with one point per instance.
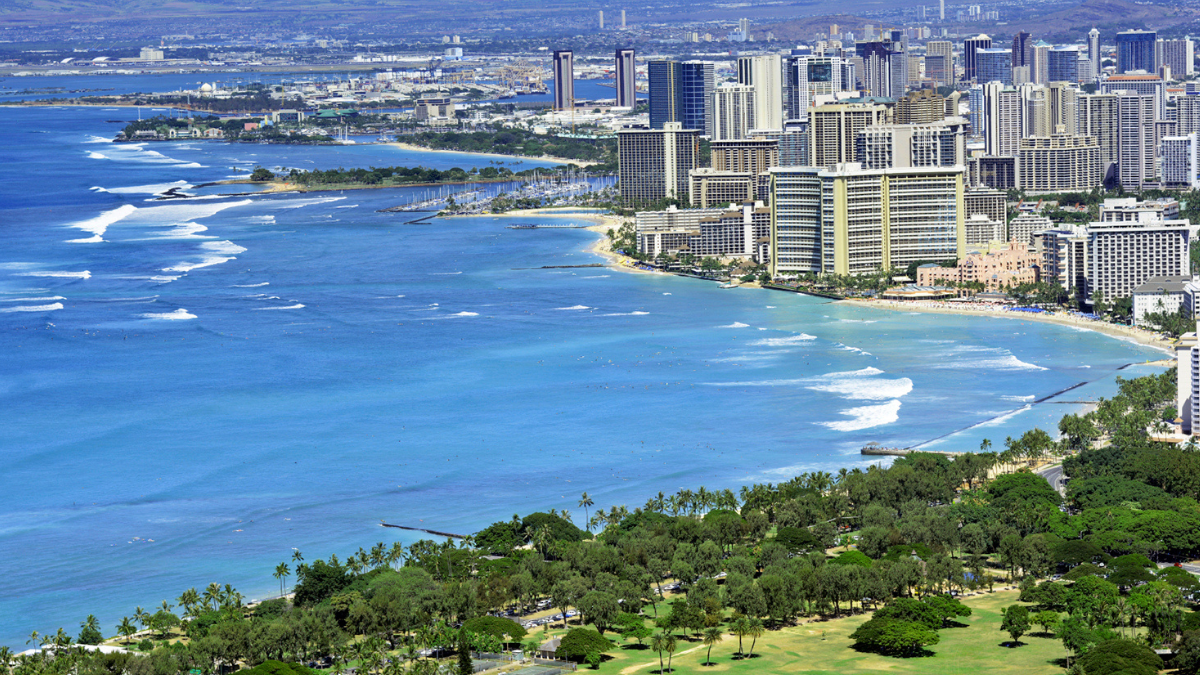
(825, 647)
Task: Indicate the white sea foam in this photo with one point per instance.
(185, 231)
(1020, 399)
(100, 224)
(443, 274)
(982, 358)
(575, 307)
(866, 417)
(666, 293)
(138, 154)
(864, 389)
(735, 324)
(206, 261)
(265, 283)
(301, 203)
(770, 306)
(178, 315)
(152, 189)
(49, 299)
(263, 219)
(1003, 418)
(295, 306)
(59, 275)
(351, 206)
(223, 247)
(98, 139)
(466, 314)
(626, 314)
(597, 276)
(857, 321)
(32, 308)
(862, 372)
(783, 341)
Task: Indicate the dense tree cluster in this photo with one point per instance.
(523, 143)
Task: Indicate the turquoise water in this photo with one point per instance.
(192, 389)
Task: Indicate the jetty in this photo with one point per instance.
(531, 226)
(879, 450)
(421, 529)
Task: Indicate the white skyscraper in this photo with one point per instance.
(1002, 119)
(1179, 55)
(1135, 139)
(733, 112)
(1179, 161)
(763, 74)
(1093, 50)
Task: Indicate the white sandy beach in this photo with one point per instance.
(543, 158)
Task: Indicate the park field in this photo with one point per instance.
(824, 647)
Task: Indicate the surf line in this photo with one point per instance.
(421, 529)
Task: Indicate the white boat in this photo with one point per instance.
(728, 284)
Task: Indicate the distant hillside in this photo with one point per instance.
(1110, 16)
(805, 28)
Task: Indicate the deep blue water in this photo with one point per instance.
(191, 389)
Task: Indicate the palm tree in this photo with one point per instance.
(740, 628)
(212, 596)
(297, 557)
(91, 622)
(141, 616)
(711, 637)
(586, 502)
(755, 631)
(659, 644)
(396, 554)
(670, 647)
(189, 599)
(281, 571)
(166, 606)
(126, 629)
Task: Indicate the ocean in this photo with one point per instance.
(192, 389)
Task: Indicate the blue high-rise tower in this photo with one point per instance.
(1136, 51)
(681, 92)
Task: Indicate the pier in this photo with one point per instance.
(421, 529)
(879, 450)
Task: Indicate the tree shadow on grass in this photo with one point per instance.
(635, 647)
(1011, 644)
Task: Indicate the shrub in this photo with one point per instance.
(497, 627)
(894, 636)
(851, 558)
(1125, 657)
(796, 539)
(578, 642)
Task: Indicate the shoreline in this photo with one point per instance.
(1127, 333)
(602, 223)
(581, 163)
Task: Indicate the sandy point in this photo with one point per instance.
(512, 158)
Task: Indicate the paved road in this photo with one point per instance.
(1054, 475)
